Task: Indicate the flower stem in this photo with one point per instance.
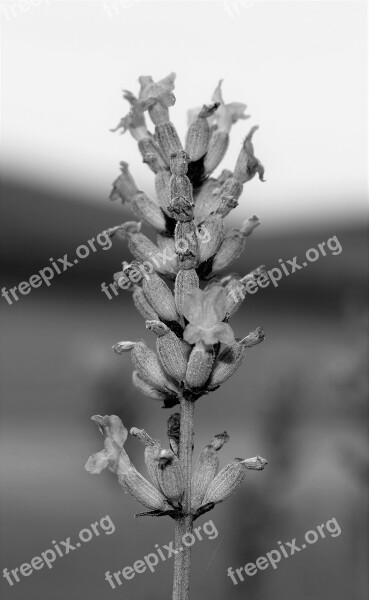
(181, 582)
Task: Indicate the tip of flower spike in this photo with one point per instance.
(257, 463)
(121, 347)
(254, 338)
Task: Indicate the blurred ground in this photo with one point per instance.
(300, 400)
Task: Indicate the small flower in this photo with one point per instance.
(134, 121)
(227, 114)
(160, 91)
(205, 312)
(157, 97)
(115, 435)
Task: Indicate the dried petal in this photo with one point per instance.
(124, 187)
(247, 165)
(199, 366)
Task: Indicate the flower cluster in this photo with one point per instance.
(163, 496)
(196, 348)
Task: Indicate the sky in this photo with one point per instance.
(300, 66)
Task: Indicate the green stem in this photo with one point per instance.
(181, 582)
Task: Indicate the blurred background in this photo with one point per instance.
(300, 399)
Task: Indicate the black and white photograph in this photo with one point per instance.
(184, 356)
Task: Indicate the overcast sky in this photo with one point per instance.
(299, 66)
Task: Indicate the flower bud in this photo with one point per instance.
(230, 249)
(121, 347)
(135, 484)
(187, 281)
(217, 148)
(170, 476)
(253, 338)
(257, 463)
(233, 244)
(236, 289)
(124, 187)
(142, 248)
(228, 361)
(230, 478)
(167, 396)
(172, 351)
(210, 236)
(160, 297)
(247, 165)
(149, 211)
(206, 469)
(226, 364)
(226, 482)
(167, 139)
(197, 138)
(200, 364)
(143, 305)
(147, 364)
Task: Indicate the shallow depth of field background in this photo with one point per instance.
(300, 398)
